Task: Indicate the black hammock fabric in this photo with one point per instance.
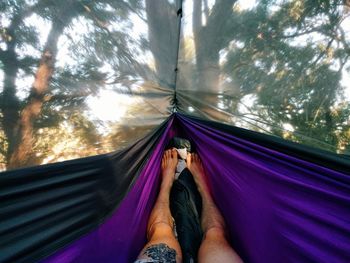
(281, 201)
(46, 207)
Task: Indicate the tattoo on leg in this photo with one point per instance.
(160, 253)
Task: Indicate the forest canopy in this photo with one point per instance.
(84, 77)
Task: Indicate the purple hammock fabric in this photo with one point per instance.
(277, 208)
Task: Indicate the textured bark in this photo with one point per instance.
(22, 153)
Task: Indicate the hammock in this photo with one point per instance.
(282, 202)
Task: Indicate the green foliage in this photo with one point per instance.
(291, 54)
(95, 49)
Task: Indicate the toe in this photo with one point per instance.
(164, 160)
(194, 158)
(165, 157)
(174, 153)
(188, 158)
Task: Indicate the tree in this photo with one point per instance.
(288, 56)
(298, 84)
(210, 38)
(237, 52)
(162, 23)
(20, 153)
(56, 90)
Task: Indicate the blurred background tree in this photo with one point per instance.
(272, 66)
(31, 35)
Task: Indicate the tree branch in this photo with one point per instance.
(322, 53)
(318, 29)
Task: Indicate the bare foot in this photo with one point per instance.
(211, 217)
(169, 163)
(195, 166)
(160, 217)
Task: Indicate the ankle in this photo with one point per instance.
(168, 172)
(164, 192)
(167, 179)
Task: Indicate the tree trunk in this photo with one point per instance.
(163, 39)
(22, 153)
(209, 40)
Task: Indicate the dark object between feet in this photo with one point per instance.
(186, 206)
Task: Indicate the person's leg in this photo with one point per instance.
(162, 244)
(214, 247)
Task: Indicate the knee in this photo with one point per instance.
(160, 230)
